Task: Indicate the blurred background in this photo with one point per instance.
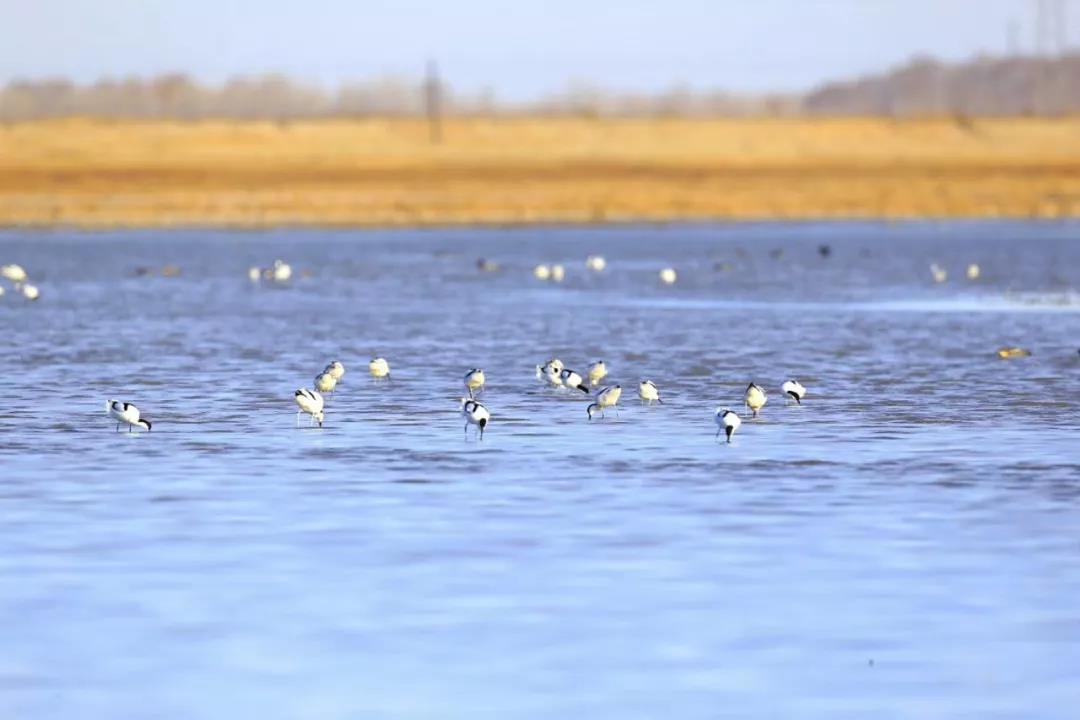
(134, 113)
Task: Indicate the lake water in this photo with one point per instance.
(904, 544)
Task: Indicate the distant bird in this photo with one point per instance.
(474, 381)
(596, 263)
(310, 402)
(14, 273)
(325, 382)
(474, 414)
(255, 274)
(488, 266)
(755, 398)
(597, 372)
(572, 379)
(824, 251)
(973, 271)
(776, 253)
(648, 392)
(794, 389)
(30, 292)
(379, 368)
(608, 398)
(558, 273)
(1, 291)
(126, 414)
(282, 271)
(1011, 353)
(542, 272)
(939, 273)
(727, 421)
(668, 276)
(336, 369)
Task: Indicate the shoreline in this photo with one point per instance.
(525, 172)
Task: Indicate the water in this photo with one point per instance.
(902, 545)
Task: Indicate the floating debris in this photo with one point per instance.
(824, 251)
(1010, 353)
(170, 271)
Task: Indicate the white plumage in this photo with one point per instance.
(668, 276)
(379, 368)
(14, 273)
(550, 372)
(125, 413)
(336, 370)
(597, 372)
(727, 421)
(310, 402)
(755, 398)
(474, 414)
(794, 389)
(573, 380)
(474, 381)
(607, 398)
(649, 393)
(325, 382)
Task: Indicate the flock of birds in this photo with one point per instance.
(310, 401)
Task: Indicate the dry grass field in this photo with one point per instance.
(387, 172)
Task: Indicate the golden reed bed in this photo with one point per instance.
(387, 172)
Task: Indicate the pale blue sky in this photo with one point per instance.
(518, 49)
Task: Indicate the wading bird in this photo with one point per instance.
(597, 372)
(608, 398)
(794, 389)
(379, 368)
(572, 379)
(727, 421)
(126, 414)
(310, 402)
(755, 398)
(649, 393)
(474, 381)
(474, 414)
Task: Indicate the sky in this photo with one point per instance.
(519, 50)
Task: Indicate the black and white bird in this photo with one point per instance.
(649, 393)
(310, 402)
(379, 368)
(126, 414)
(474, 414)
(794, 390)
(727, 421)
(336, 370)
(607, 398)
(755, 398)
(573, 380)
(550, 372)
(325, 382)
(597, 372)
(474, 381)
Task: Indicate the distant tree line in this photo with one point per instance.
(984, 86)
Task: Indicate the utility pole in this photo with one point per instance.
(433, 102)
